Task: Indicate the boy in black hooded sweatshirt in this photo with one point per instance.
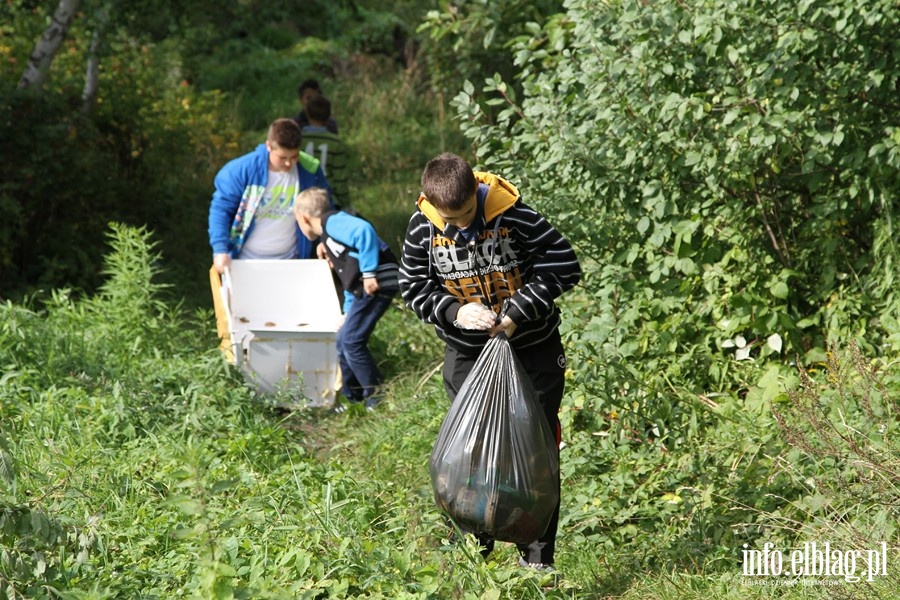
(471, 249)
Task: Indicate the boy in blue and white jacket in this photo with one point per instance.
(368, 271)
(250, 215)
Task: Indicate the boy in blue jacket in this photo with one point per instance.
(368, 271)
(250, 215)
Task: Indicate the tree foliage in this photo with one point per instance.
(142, 156)
(729, 175)
(48, 45)
(140, 106)
(739, 164)
(467, 37)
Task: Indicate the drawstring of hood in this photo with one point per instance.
(430, 250)
(494, 243)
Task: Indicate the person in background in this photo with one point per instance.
(478, 261)
(308, 89)
(368, 271)
(250, 216)
(328, 147)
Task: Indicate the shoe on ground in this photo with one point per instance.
(340, 407)
(536, 566)
(372, 402)
(550, 577)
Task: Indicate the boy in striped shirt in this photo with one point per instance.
(478, 261)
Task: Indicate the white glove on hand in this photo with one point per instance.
(475, 316)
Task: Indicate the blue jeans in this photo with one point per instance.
(359, 373)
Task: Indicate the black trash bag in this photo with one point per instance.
(495, 464)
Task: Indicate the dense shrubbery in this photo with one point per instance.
(467, 39)
(741, 193)
(739, 186)
(144, 157)
(729, 175)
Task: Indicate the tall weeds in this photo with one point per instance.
(134, 463)
(844, 423)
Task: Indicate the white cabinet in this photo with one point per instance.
(283, 317)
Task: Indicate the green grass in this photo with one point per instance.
(137, 464)
(157, 473)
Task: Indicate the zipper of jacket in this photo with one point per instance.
(482, 285)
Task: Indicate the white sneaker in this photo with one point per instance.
(536, 566)
(550, 577)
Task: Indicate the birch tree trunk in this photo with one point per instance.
(46, 48)
(92, 73)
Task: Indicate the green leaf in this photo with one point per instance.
(780, 290)
(837, 138)
(692, 158)
(225, 484)
(816, 355)
(40, 564)
(643, 225)
(7, 466)
(185, 533)
(489, 37)
(185, 504)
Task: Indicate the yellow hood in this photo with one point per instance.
(501, 195)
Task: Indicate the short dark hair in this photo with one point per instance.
(285, 132)
(319, 108)
(308, 84)
(448, 181)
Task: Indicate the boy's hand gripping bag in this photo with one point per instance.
(495, 464)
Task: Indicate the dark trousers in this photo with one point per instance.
(359, 373)
(545, 365)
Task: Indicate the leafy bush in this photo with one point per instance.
(466, 38)
(726, 172)
(48, 199)
(740, 194)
